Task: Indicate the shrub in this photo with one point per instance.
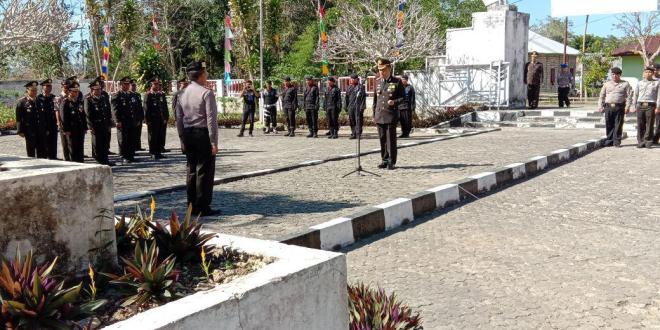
(374, 309)
(33, 299)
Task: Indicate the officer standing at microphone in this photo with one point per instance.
(387, 98)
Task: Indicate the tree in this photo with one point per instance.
(553, 28)
(365, 31)
(642, 27)
(18, 17)
(129, 27)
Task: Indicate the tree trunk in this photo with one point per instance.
(95, 50)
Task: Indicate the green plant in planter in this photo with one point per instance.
(183, 240)
(146, 277)
(374, 309)
(31, 298)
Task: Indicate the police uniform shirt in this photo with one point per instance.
(46, 105)
(311, 98)
(647, 91)
(27, 120)
(533, 73)
(122, 108)
(389, 89)
(155, 107)
(73, 118)
(613, 92)
(270, 98)
(197, 109)
(97, 111)
(356, 97)
(408, 98)
(249, 99)
(565, 79)
(290, 98)
(332, 99)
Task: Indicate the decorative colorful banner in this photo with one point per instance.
(400, 40)
(156, 32)
(229, 36)
(106, 51)
(324, 42)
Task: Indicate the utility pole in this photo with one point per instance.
(583, 88)
(261, 57)
(565, 39)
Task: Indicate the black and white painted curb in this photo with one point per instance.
(341, 232)
(246, 175)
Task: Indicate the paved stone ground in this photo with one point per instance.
(277, 205)
(574, 248)
(237, 155)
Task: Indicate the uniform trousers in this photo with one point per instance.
(291, 119)
(200, 164)
(562, 96)
(248, 115)
(333, 120)
(312, 116)
(156, 131)
(32, 146)
(614, 116)
(387, 136)
(645, 123)
(51, 144)
(356, 119)
(533, 95)
(76, 142)
(65, 146)
(126, 139)
(271, 116)
(406, 121)
(101, 144)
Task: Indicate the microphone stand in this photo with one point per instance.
(359, 169)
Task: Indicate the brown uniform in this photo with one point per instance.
(533, 78)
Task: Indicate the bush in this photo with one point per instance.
(7, 118)
(373, 309)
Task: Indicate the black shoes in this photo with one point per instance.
(240, 134)
(328, 133)
(310, 135)
(206, 212)
(390, 166)
(157, 156)
(382, 165)
(316, 135)
(353, 137)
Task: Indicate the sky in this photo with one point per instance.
(600, 25)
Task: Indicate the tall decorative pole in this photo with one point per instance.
(229, 36)
(325, 70)
(106, 51)
(261, 56)
(400, 39)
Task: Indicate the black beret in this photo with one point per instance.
(404, 76)
(31, 84)
(331, 79)
(354, 75)
(195, 66)
(616, 70)
(287, 78)
(126, 80)
(47, 82)
(94, 83)
(650, 68)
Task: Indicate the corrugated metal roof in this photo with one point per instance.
(545, 45)
(632, 48)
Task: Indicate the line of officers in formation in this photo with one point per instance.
(617, 98)
(41, 118)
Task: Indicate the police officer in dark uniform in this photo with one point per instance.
(311, 106)
(125, 112)
(199, 138)
(27, 121)
(250, 102)
(156, 115)
(355, 103)
(99, 122)
(407, 107)
(533, 78)
(290, 105)
(139, 117)
(270, 105)
(332, 107)
(387, 98)
(74, 123)
(59, 103)
(46, 105)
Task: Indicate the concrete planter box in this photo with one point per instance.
(301, 289)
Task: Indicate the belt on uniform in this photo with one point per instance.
(194, 129)
(612, 105)
(646, 104)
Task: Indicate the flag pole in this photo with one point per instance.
(261, 57)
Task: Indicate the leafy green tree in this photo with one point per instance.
(150, 64)
(553, 28)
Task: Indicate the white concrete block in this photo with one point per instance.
(335, 232)
(396, 211)
(488, 116)
(445, 194)
(579, 114)
(485, 181)
(517, 170)
(582, 147)
(541, 162)
(547, 113)
(564, 154)
(302, 289)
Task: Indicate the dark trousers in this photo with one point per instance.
(333, 120)
(562, 96)
(312, 116)
(51, 144)
(76, 142)
(656, 136)
(645, 123)
(291, 119)
(405, 119)
(31, 145)
(356, 119)
(126, 139)
(156, 136)
(65, 147)
(248, 115)
(387, 136)
(613, 124)
(200, 167)
(533, 95)
(101, 144)
(271, 117)
(137, 144)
